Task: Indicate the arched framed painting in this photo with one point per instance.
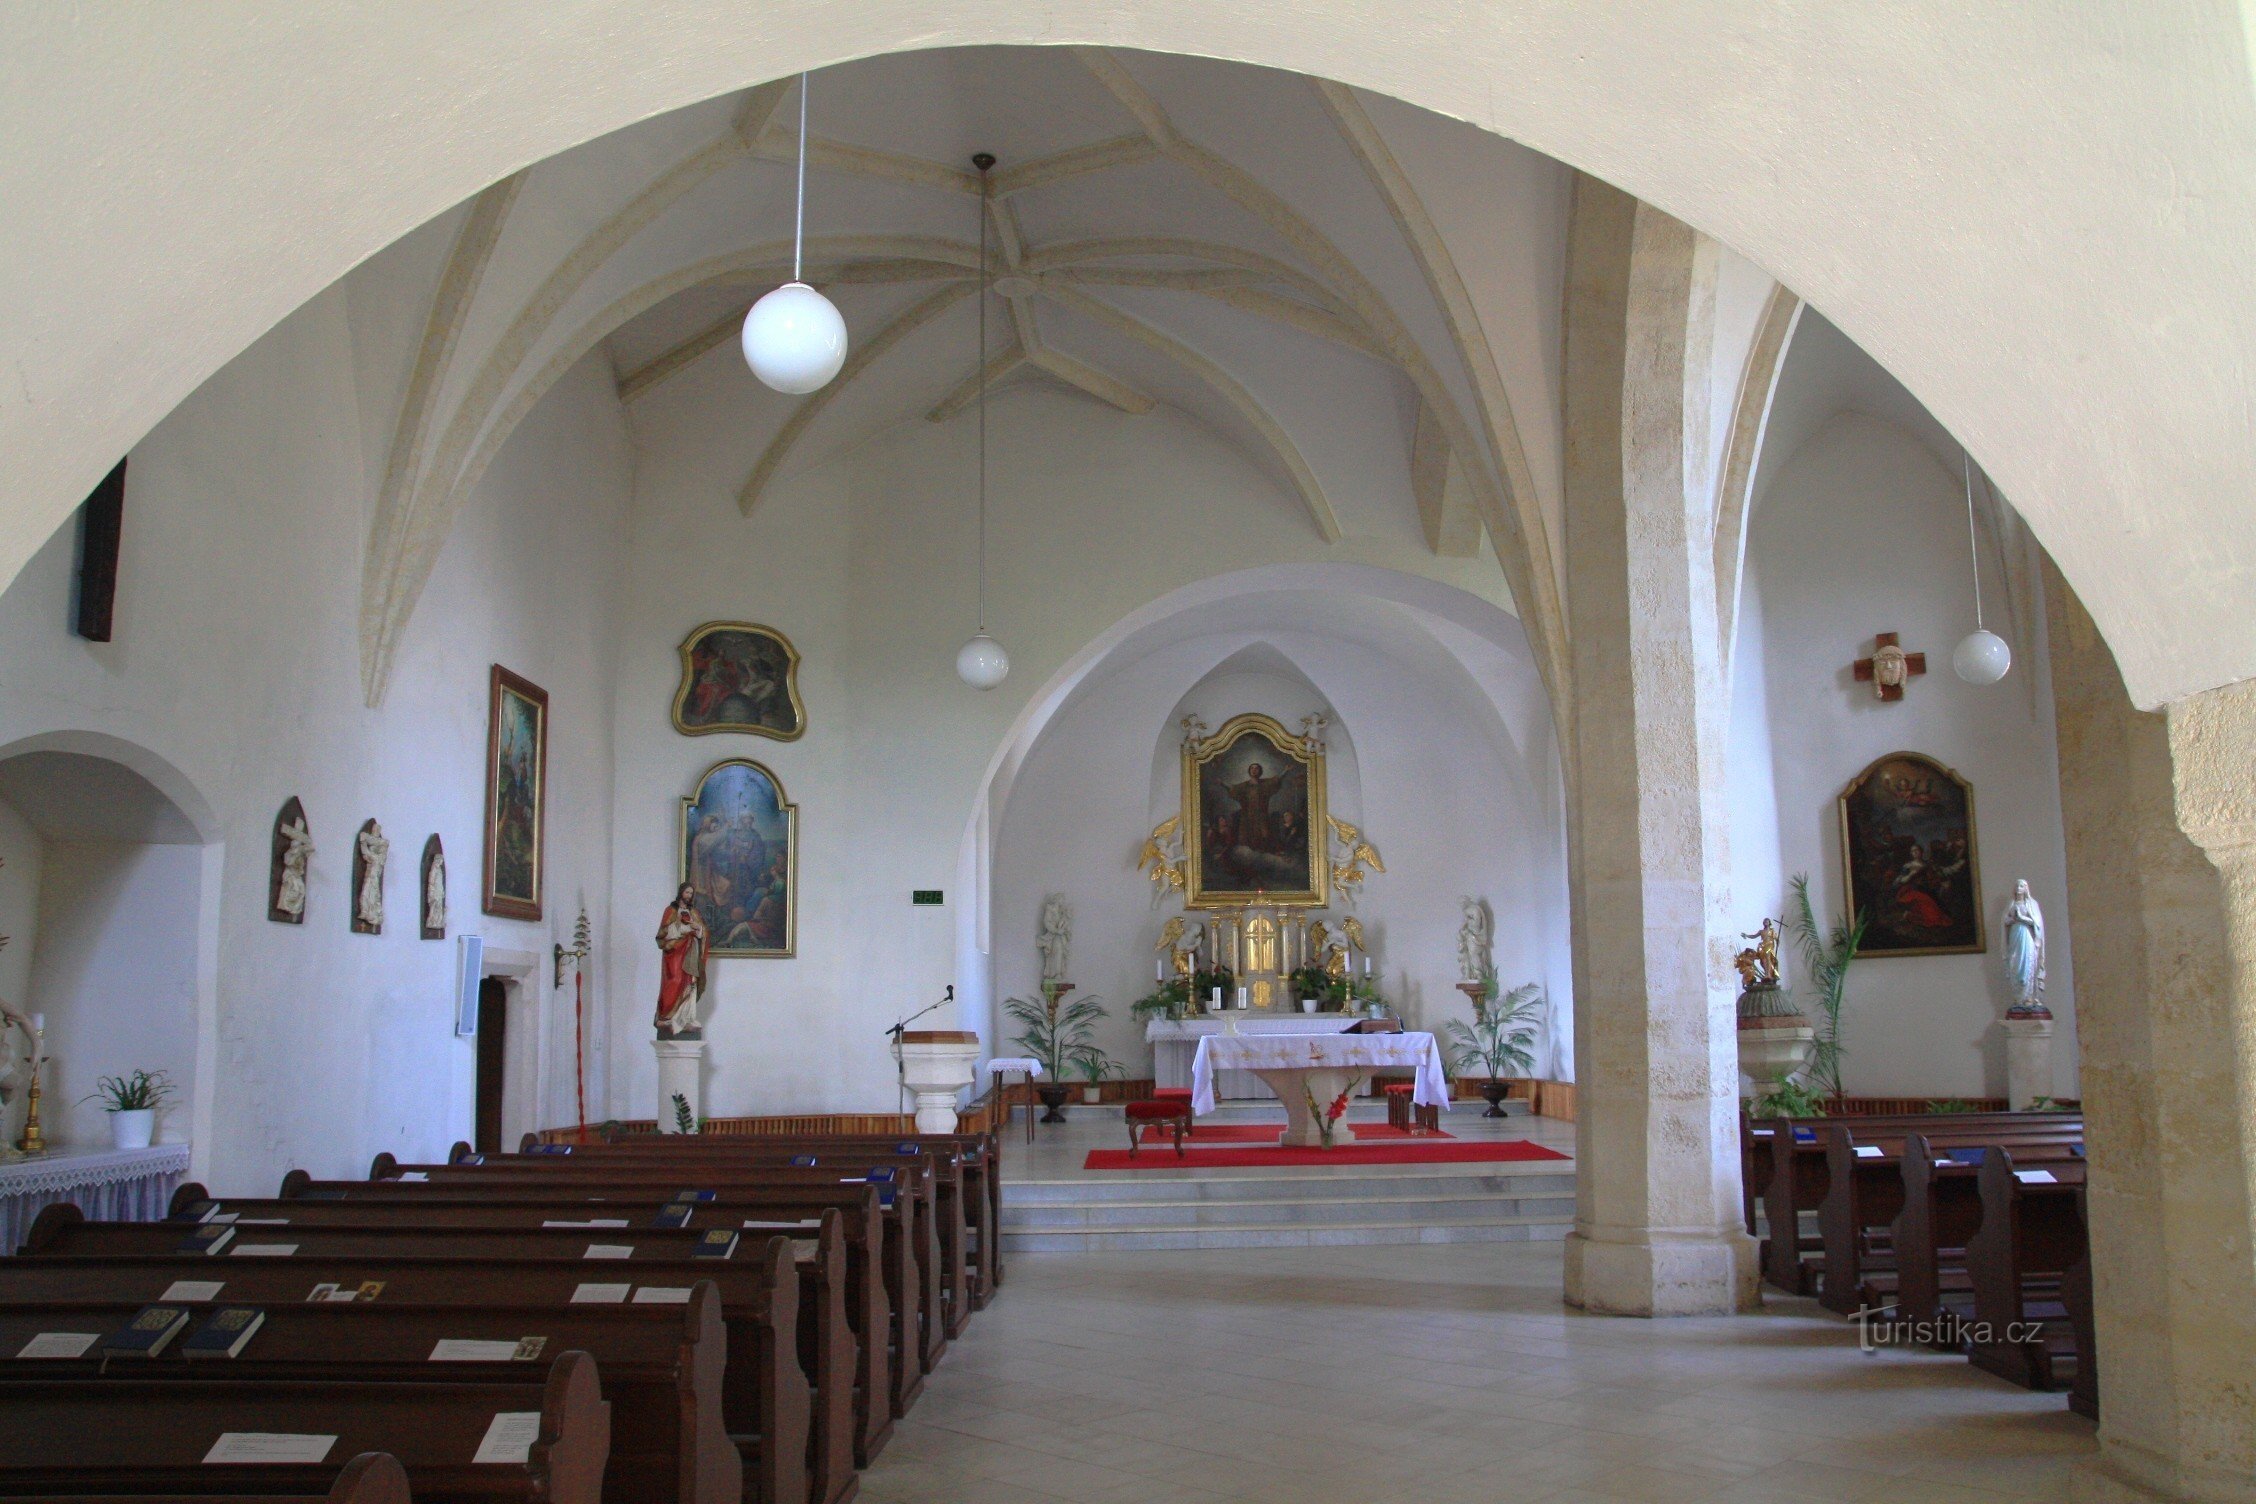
(740, 852)
(1253, 817)
(739, 676)
(1910, 860)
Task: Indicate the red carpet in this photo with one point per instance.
(1268, 1133)
(1400, 1151)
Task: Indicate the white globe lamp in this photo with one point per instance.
(795, 339)
(1982, 657)
(982, 663)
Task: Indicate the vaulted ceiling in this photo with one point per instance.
(1246, 247)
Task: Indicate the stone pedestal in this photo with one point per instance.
(681, 1073)
(2028, 1058)
(935, 1065)
(1771, 1049)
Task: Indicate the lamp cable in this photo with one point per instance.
(984, 163)
(1973, 549)
(799, 212)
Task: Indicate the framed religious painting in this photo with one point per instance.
(740, 853)
(516, 795)
(1253, 816)
(736, 676)
(1909, 858)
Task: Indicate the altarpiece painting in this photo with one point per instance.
(1908, 849)
(739, 851)
(1253, 816)
(738, 676)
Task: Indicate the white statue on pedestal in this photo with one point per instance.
(2025, 952)
(434, 895)
(1476, 940)
(1057, 938)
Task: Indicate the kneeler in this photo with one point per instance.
(1173, 1111)
(1403, 1110)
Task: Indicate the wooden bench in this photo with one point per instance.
(766, 1397)
(2031, 1234)
(370, 1478)
(138, 1436)
(881, 1270)
(661, 1368)
(1864, 1196)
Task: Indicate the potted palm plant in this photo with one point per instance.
(1499, 1042)
(1096, 1068)
(132, 1103)
(1057, 1033)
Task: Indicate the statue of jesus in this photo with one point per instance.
(682, 943)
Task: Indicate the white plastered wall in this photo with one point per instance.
(1862, 530)
(236, 662)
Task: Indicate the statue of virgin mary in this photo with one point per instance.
(2025, 953)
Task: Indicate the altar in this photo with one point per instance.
(1175, 1042)
(1307, 1071)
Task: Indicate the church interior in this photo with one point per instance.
(1182, 755)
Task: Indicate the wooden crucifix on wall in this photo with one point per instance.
(1889, 668)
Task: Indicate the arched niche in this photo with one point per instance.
(108, 888)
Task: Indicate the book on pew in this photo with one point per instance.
(226, 1334)
(149, 1333)
(803, 1161)
(209, 1237)
(674, 1215)
(697, 1195)
(194, 1211)
(1971, 1155)
(720, 1243)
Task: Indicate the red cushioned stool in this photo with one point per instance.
(1173, 1111)
(1403, 1111)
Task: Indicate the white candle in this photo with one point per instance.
(1217, 997)
(1159, 969)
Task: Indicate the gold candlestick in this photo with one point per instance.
(33, 1142)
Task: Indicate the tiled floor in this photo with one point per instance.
(1437, 1375)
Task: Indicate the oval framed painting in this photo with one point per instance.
(739, 676)
(740, 853)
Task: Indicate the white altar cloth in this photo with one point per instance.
(109, 1185)
(1281, 1056)
(1175, 1041)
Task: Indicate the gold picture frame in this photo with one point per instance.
(1911, 858)
(1249, 837)
(727, 831)
(742, 677)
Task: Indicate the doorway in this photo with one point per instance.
(493, 1054)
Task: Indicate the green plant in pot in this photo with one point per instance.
(132, 1103)
(1330, 992)
(1095, 1067)
(1498, 1044)
(1171, 1001)
(1057, 1033)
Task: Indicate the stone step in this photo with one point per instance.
(1384, 1182)
(1275, 1211)
(1293, 1235)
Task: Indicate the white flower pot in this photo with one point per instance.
(1308, 1005)
(1092, 1094)
(133, 1129)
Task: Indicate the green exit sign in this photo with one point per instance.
(923, 896)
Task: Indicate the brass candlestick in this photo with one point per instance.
(33, 1142)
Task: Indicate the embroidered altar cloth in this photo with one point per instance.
(1321, 1052)
(109, 1185)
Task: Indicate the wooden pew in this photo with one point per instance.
(1864, 1196)
(2076, 1295)
(958, 1200)
(878, 1264)
(136, 1436)
(828, 1338)
(766, 1396)
(2031, 1234)
(370, 1478)
(926, 1214)
(661, 1368)
(1798, 1179)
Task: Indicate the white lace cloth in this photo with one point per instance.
(109, 1185)
(1320, 1052)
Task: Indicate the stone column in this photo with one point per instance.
(2165, 1091)
(1657, 1218)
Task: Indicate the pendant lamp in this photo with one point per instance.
(1982, 657)
(794, 338)
(981, 662)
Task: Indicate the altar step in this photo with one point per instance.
(1208, 1209)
